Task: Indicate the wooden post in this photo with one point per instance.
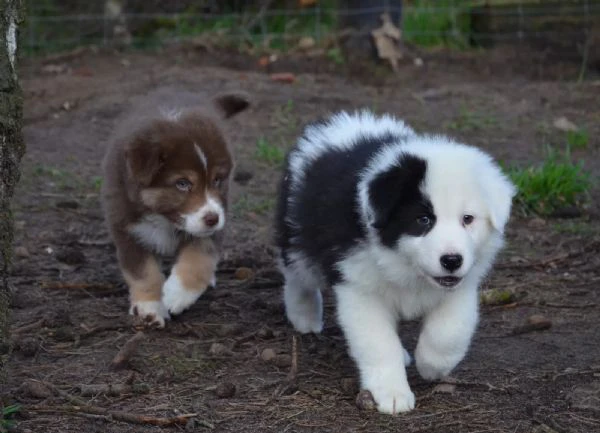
(11, 150)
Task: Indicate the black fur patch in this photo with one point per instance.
(400, 206)
(322, 221)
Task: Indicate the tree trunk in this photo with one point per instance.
(11, 151)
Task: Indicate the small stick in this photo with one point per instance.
(117, 415)
(113, 389)
(57, 285)
(29, 327)
(294, 367)
(121, 360)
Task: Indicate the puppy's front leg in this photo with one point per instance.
(447, 333)
(193, 272)
(142, 274)
(370, 328)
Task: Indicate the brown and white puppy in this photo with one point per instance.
(166, 181)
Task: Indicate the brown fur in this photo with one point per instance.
(142, 166)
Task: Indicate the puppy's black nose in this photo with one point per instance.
(211, 219)
(451, 262)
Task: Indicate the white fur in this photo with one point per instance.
(176, 297)
(302, 295)
(193, 223)
(381, 285)
(201, 155)
(154, 311)
(157, 233)
(341, 131)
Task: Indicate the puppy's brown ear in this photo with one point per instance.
(144, 160)
(230, 104)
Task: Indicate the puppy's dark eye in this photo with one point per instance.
(424, 220)
(468, 219)
(217, 182)
(183, 185)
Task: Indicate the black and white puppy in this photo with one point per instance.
(401, 226)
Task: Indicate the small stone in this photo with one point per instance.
(71, 257)
(536, 322)
(35, 389)
(283, 360)
(217, 349)
(28, 346)
(539, 320)
(268, 354)
(265, 333)
(21, 252)
(306, 43)
(444, 388)
(418, 62)
(349, 385)
(365, 400)
(225, 390)
(242, 176)
(243, 273)
(564, 124)
(67, 204)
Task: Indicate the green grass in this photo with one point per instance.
(258, 206)
(468, 121)
(6, 421)
(578, 139)
(269, 153)
(557, 183)
(432, 23)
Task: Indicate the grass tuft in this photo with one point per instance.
(269, 153)
(6, 421)
(557, 183)
(433, 23)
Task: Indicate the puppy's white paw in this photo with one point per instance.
(306, 324)
(176, 297)
(152, 313)
(432, 366)
(393, 399)
(304, 308)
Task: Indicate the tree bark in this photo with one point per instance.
(11, 150)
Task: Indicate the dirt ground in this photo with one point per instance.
(69, 308)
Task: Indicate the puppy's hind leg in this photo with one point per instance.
(303, 299)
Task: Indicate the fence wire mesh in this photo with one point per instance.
(54, 25)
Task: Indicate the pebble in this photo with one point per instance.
(217, 349)
(365, 400)
(243, 273)
(225, 390)
(268, 354)
(21, 252)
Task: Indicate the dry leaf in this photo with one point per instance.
(386, 40)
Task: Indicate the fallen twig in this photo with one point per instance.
(547, 261)
(553, 305)
(117, 389)
(28, 327)
(117, 415)
(294, 367)
(58, 285)
(121, 360)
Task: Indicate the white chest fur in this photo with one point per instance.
(157, 233)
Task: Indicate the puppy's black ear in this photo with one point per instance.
(395, 187)
(230, 104)
(144, 159)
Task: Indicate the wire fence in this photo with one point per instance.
(54, 25)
